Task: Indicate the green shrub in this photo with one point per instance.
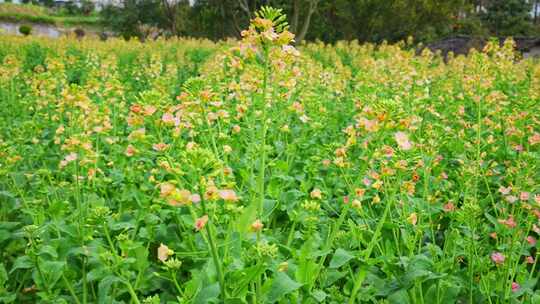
(79, 32)
(471, 26)
(25, 29)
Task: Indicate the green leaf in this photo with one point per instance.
(53, 271)
(235, 301)
(268, 208)
(96, 274)
(281, 286)
(22, 262)
(331, 276)
(207, 294)
(399, 297)
(535, 299)
(104, 287)
(244, 221)
(48, 250)
(3, 275)
(340, 258)
(319, 295)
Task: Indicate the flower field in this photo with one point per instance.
(186, 171)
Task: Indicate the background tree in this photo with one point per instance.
(508, 17)
(329, 21)
(305, 9)
(128, 18)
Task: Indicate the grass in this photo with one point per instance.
(30, 13)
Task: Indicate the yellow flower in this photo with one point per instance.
(180, 197)
(413, 219)
(166, 189)
(211, 193)
(283, 267)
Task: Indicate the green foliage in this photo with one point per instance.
(128, 19)
(34, 56)
(508, 17)
(392, 20)
(368, 20)
(25, 29)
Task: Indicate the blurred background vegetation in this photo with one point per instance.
(330, 21)
(324, 20)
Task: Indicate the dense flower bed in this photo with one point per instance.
(183, 171)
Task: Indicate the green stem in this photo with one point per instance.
(70, 288)
(132, 292)
(362, 272)
(214, 253)
(115, 254)
(175, 281)
(262, 164)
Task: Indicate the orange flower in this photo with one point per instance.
(135, 108)
(160, 146)
(130, 151)
(359, 192)
(164, 252)
(316, 193)
(201, 222)
(228, 195)
(180, 197)
(167, 189)
(257, 226)
(149, 110)
(227, 171)
(413, 219)
(211, 193)
(534, 139)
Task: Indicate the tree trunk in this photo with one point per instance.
(536, 11)
(294, 20)
(305, 26)
(244, 5)
(237, 27)
(170, 12)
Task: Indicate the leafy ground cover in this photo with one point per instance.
(184, 171)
